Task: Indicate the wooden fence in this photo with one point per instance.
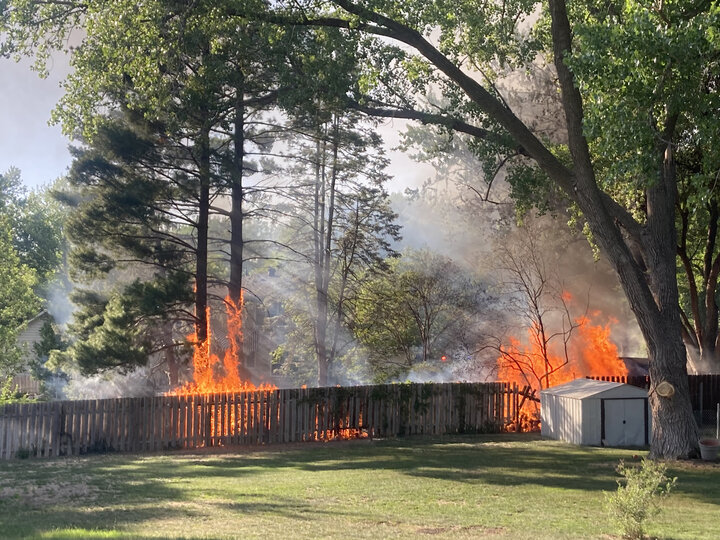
(62, 428)
(704, 389)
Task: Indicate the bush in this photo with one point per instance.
(638, 495)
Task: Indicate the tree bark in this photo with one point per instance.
(236, 228)
(201, 277)
(653, 297)
(324, 219)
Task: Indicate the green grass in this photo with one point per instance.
(501, 486)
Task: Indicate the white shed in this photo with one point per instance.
(597, 413)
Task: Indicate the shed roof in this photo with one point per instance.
(588, 388)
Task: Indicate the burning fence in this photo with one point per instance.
(255, 418)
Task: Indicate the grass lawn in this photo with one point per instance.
(476, 486)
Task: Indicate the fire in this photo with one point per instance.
(541, 364)
(210, 375)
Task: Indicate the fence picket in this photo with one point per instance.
(265, 417)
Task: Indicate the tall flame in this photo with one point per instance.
(589, 351)
(210, 375)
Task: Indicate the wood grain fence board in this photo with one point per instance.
(243, 420)
(4, 430)
(188, 421)
(54, 431)
(263, 417)
(11, 430)
(232, 420)
(152, 424)
(117, 425)
(22, 423)
(26, 424)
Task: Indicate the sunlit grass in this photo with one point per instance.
(509, 486)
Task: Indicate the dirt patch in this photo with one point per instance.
(48, 494)
(433, 530)
(484, 531)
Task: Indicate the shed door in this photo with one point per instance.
(624, 422)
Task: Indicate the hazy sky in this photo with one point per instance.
(26, 140)
(40, 151)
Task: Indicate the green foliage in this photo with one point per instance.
(636, 499)
(36, 221)
(18, 302)
(51, 344)
(422, 309)
(121, 329)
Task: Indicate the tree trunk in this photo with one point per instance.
(318, 259)
(201, 277)
(651, 290)
(236, 229)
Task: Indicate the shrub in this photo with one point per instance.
(638, 495)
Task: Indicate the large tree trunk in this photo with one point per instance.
(643, 255)
(650, 281)
(321, 299)
(234, 299)
(201, 277)
(325, 226)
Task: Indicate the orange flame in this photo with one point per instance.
(209, 375)
(589, 352)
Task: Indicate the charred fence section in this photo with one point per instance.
(62, 428)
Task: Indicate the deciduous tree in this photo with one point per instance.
(657, 58)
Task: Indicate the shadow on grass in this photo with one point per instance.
(507, 460)
(504, 460)
(126, 490)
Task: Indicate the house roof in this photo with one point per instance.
(588, 388)
(39, 315)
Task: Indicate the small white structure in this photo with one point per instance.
(596, 413)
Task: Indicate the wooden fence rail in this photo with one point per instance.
(63, 428)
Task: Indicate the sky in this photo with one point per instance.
(27, 141)
(41, 153)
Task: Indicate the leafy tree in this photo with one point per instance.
(698, 250)
(341, 225)
(421, 314)
(631, 77)
(132, 209)
(51, 343)
(200, 83)
(18, 302)
(37, 225)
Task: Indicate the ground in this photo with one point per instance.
(475, 486)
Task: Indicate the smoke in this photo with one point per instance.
(137, 383)
(58, 304)
(26, 101)
(440, 222)
(459, 368)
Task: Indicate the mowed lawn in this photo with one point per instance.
(499, 486)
